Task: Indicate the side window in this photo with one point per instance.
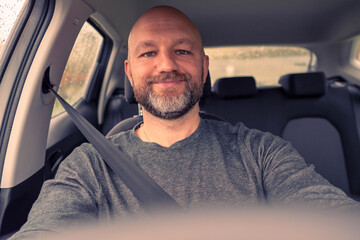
(265, 63)
(80, 67)
(10, 10)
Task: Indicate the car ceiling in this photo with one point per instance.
(246, 22)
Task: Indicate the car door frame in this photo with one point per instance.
(23, 148)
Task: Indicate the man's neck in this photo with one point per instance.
(167, 132)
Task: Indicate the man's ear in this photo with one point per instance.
(128, 71)
(205, 67)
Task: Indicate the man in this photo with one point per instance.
(196, 161)
(167, 68)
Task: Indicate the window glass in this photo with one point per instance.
(356, 53)
(9, 12)
(80, 67)
(265, 63)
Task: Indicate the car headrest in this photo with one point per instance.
(130, 98)
(304, 84)
(234, 87)
(129, 93)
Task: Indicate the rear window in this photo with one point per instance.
(265, 63)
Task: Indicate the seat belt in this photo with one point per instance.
(144, 188)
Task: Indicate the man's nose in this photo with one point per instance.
(167, 62)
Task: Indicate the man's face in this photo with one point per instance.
(166, 65)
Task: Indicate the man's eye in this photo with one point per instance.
(182, 52)
(148, 54)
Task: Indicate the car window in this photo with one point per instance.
(80, 67)
(9, 12)
(265, 63)
(355, 58)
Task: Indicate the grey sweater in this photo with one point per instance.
(218, 164)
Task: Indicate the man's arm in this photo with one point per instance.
(66, 200)
(288, 179)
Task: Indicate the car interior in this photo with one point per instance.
(317, 108)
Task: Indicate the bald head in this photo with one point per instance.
(160, 19)
(166, 64)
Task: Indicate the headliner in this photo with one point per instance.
(246, 22)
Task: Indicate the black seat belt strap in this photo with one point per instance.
(144, 188)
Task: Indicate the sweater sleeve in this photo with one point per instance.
(69, 198)
(288, 179)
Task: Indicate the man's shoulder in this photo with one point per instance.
(244, 135)
(225, 127)
(81, 157)
(121, 138)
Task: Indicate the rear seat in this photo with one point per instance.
(315, 115)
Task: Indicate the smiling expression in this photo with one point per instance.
(166, 64)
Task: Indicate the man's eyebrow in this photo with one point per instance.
(184, 41)
(143, 44)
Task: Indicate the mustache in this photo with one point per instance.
(163, 77)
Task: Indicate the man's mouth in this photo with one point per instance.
(168, 80)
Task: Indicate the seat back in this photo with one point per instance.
(315, 115)
(117, 109)
(312, 129)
